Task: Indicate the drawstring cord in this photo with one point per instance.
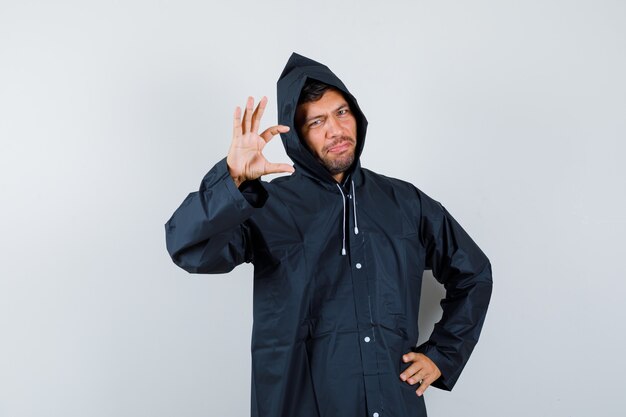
(343, 229)
(356, 226)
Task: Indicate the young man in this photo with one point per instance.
(338, 253)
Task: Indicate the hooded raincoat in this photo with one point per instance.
(337, 275)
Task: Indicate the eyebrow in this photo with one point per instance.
(341, 106)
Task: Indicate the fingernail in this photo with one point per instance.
(402, 377)
(404, 358)
(419, 394)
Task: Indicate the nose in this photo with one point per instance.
(333, 127)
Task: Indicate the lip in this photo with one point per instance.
(343, 146)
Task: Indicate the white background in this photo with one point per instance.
(511, 113)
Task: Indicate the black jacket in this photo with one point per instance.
(337, 275)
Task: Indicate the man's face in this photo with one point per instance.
(328, 128)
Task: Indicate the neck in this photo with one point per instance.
(339, 177)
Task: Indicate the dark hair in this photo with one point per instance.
(313, 90)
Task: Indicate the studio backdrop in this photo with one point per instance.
(512, 114)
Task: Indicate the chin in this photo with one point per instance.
(340, 164)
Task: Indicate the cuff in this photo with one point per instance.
(254, 192)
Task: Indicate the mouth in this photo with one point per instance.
(340, 147)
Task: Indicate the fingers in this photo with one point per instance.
(415, 367)
(424, 385)
(237, 122)
(272, 131)
(414, 373)
(272, 168)
(252, 120)
(258, 114)
(422, 371)
(247, 115)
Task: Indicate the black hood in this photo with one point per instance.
(298, 69)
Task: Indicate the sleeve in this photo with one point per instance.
(464, 270)
(208, 232)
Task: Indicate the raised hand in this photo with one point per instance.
(245, 159)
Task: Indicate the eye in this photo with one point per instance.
(342, 112)
(315, 122)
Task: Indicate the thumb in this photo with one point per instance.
(272, 168)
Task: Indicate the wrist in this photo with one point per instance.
(236, 178)
(238, 181)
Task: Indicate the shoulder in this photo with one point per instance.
(384, 180)
(283, 180)
(289, 189)
(371, 178)
(286, 183)
(402, 189)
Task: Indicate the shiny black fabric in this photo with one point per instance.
(330, 329)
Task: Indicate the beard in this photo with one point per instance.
(338, 163)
